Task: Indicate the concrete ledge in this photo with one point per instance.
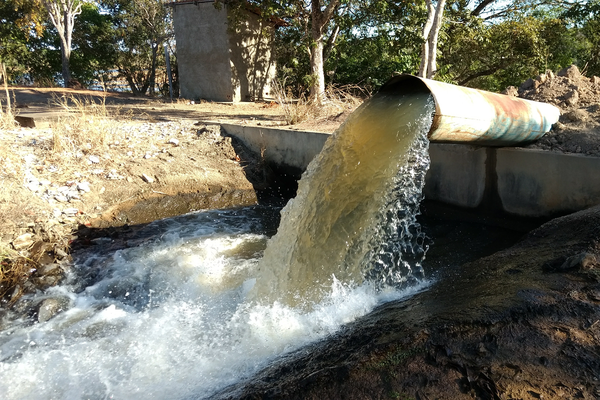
(538, 183)
(515, 181)
(283, 147)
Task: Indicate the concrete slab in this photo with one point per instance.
(282, 147)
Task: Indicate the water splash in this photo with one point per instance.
(354, 214)
(171, 317)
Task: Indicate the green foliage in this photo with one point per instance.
(585, 18)
(142, 27)
(494, 56)
(21, 42)
(94, 45)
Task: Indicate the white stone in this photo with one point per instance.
(84, 187)
(23, 241)
(94, 159)
(70, 211)
(147, 178)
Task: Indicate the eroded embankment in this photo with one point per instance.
(522, 323)
(141, 172)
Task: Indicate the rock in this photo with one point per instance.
(571, 72)
(572, 98)
(70, 211)
(40, 252)
(60, 253)
(61, 198)
(23, 241)
(83, 187)
(49, 269)
(511, 91)
(147, 178)
(174, 141)
(542, 78)
(581, 261)
(25, 122)
(528, 84)
(575, 116)
(48, 308)
(34, 186)
(94, 159)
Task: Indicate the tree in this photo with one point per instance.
(431, 31)
(143, 26)
(321, 15)
(95, 47)
(21, 30)
(62, 14)
(493, 53)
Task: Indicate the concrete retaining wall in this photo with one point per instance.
(521, 182)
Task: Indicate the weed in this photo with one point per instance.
(85, 127)
(7, 117)
(14, 270)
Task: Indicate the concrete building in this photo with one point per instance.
(219, 62)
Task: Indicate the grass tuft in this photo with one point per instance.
(86, 127)
(14, 270)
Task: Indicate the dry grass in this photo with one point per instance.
(14, 270)
(86, 127)
(7, 118)
(339, 100)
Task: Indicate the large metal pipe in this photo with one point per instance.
(471, 115)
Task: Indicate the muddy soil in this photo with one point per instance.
(523, 323)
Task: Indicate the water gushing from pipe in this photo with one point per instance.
(353, 217)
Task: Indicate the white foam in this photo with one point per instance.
(190, 342)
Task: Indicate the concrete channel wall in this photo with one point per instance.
(520, 182)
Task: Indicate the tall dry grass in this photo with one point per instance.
(86, 126)
(338, 100)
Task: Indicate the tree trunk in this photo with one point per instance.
(431, 31)
(317, 90)
(433, 38)
(65, 52)
(152, 78)
(320, 19)
(425, 46)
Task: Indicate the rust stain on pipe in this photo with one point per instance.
(483, 118)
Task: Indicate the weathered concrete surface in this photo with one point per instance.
(457, 174)
(538, 183)
(203, 52)
(291, 149)
(218, 63)
(520, 182)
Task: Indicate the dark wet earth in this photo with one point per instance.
(522, 323)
